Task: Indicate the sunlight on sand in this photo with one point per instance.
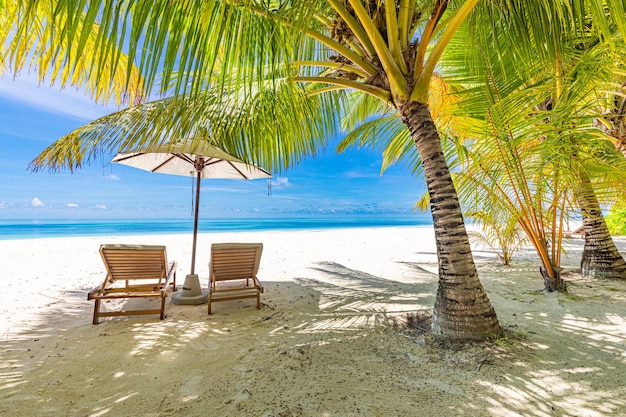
(324, 343)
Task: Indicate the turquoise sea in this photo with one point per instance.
(32, 229)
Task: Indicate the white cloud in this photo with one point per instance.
(101, 206)
(71, 205)
(69, 101)
(359, 174)
(280, 182)
(113, 177)
(36, 202)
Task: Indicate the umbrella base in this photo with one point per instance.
(191, 293)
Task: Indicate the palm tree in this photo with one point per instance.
(387, 50)
(612, 121)
(581, 58)
(499, 233)
(117, 79)
(600, 255)
(551, 90)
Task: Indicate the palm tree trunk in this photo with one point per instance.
(462, 309)
(554, 283)
(600, 258)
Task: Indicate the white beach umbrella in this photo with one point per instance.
(200, 161)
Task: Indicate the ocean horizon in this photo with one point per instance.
(59, 228)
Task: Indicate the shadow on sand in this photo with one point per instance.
(323, 345)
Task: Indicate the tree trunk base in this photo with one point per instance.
(553, 284)
(600, 258)
(596, 264)
(464, 319)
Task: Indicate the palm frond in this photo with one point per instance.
(271, 127)
(33, 40)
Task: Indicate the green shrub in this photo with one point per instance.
(616, 221)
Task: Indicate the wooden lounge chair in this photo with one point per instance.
(580, 230)
(133, 271)
(232, 272)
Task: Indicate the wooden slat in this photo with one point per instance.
(229, 262)
(128, 312)
(126, 262)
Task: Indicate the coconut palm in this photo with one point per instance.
(499, 233)
(555, 93)
(612, 121)
(518, 74)
(388, 50)
(577, 59)
(600, 256)
(117, 79)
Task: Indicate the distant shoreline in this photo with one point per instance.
(17, 229)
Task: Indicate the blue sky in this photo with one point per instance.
(32, 117)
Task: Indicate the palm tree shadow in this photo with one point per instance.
(302, 325)
(352, 299)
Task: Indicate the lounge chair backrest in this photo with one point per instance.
(235, 260)
(135, 262)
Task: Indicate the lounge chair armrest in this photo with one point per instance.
(92, 291)
(171, 275)
(259, 284)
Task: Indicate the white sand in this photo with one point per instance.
(321, 345)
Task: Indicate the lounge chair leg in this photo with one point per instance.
(209, 304)
(96, 309)
(258, 301)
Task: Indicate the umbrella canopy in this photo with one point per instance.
(184, 159)
(201, 161)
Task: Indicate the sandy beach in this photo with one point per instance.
(331, 338)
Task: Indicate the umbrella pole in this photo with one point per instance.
(191, 292)
(195, 225)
